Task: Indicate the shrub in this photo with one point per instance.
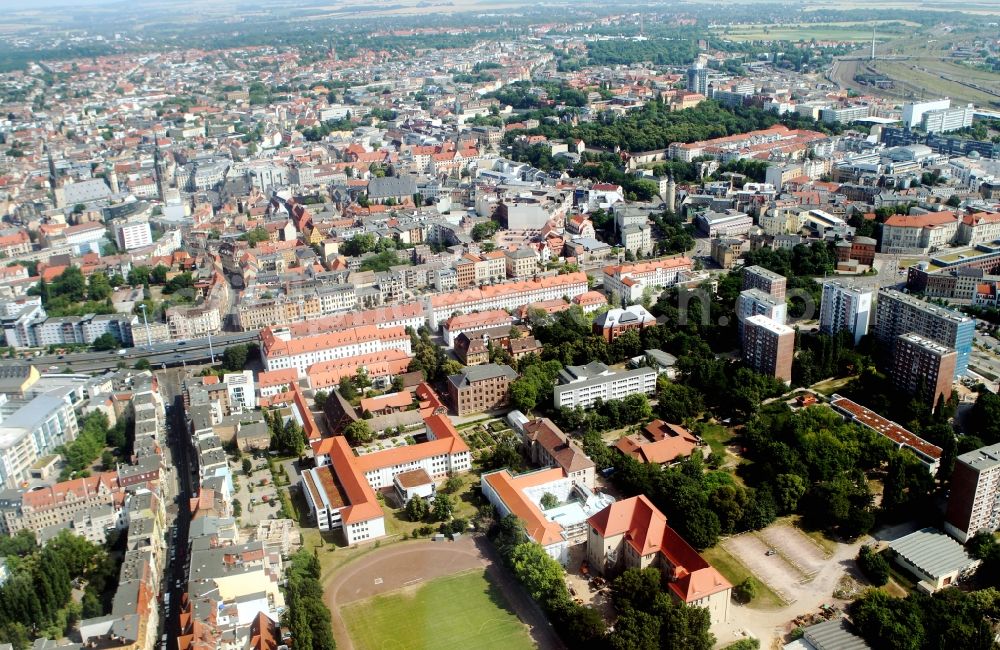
(873, 565)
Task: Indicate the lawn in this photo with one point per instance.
(716, 435)
(464, 611)
(830, 386)
(734, 571)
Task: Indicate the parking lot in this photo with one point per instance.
(782, 557)
(259, 501)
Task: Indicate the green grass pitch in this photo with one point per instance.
(464, 611)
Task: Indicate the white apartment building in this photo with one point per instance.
(945, 120)
(754, 302)
(845, 308)
(193, 322)
(29, 429)
(913, 114)
(280, 350)
(638, 238)
(903, 233)
(241, 390)
(130, 235)
(583, 385)
(628, 281)
(510, 295)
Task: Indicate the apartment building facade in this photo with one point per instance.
(481, 388)
(280, 349)
(922, 367)
(769, 347)
(628, 281)
(897, 313)
(584, 385)
(845, 308)
(771, 283)
(974, 500)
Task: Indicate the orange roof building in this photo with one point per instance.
(660, 442)
(282, 350)
(341, 489)
(509, 295)
(634, 534)
(556, 527)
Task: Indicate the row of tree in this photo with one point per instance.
(287, 436)
(306, 614)
(35, 600)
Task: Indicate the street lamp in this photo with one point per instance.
(149, 339)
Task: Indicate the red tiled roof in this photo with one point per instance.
(646, 531)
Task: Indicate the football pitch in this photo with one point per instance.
(464, 611)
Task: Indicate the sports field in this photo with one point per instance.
(459, 611)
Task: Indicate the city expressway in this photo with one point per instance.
(159, 355)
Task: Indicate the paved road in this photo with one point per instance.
(170, 354)
(176, 571)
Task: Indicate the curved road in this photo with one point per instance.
(411, 563)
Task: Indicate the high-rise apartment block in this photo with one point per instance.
(768, 347)
(757, 277)
(921, 366)
(754, 302)
(974, 501)
(897, 313)
(845, 308)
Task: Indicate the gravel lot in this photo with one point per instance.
(773, 570)
(796, 547)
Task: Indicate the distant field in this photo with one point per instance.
(459, 612)
(923, 76)
(806, 32)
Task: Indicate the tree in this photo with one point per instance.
(358, 432)
(746, 591)
(637, 588)
(99, 288)
(678, 402)
(417, 509)
(888, 622)
(541, 575)
(247, 466)
(636, 630)
(549, 501)
(105, 341)
(142, 364)
(237, 508)
(503, 455)
(452, 485)
(789, 488)
(320, 397)
(484, 230)
(873, 565)
(256, 236)
(347, 389)
(524, 395)
(108, 460)
(443, 507)
(235, 357)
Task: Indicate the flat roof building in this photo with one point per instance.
(768, 347)
(974, 500)
(898, 313)
(923, 368)
(938, 560)
(927, 453)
